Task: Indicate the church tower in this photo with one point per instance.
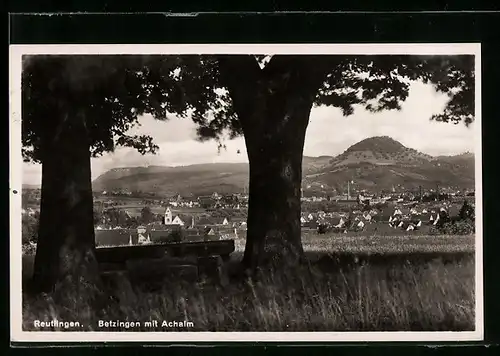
(168, 217)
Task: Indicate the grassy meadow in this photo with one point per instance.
(352, 283)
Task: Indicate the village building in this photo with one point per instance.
(167, 220)
(142, 239)
(183, 220)
(142, 230)
(397, 211)
(221, 221)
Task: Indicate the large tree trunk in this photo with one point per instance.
(273, 106)
(66, 239)
(274, 233)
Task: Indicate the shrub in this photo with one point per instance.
(323, 229)
(29, 229)
(467, 211)
(460, 227)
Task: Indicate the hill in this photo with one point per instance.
(464, 160)
(198, 179)
(382, 162)
(375, 163)
(380, 150)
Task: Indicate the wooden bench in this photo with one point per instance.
(160, 261)
(222, 248)
(121, 254)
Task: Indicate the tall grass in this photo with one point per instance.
(431, 296)
(340, 243)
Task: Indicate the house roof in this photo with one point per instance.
(403, 210)
(426, 216)
(186, 219)
(112, 237)
(408, 223)
(220, 220)
(133, 213)
(209, 230)
(161, 227)
(381, 217)
(311, 224)
(205, 221)
(336, 220)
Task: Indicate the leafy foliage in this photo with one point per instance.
(460, 227)
(462, 224)
(98, 216)
(116, 217)
(29, 228)
(113, 91)
(146, 215)
(467, 211)
(381, 82)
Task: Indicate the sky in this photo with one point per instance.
(328, 133)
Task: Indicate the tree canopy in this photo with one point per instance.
(115, 90)
(112, 92)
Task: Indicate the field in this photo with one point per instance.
(352, 283)
(380, 244)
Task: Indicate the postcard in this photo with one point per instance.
(238, 193)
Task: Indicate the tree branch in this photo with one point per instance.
(240, 74)
(312, 68)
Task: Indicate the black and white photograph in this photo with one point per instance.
(225, 193)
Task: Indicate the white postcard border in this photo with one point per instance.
(18, 335)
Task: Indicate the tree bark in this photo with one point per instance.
(66, 238)
(273, 105)
(274, 233)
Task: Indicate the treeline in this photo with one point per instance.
(462, 224)
(29, 229)
(118, 217)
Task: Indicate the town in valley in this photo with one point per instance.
(124, 216)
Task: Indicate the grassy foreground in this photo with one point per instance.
(381, 244)
(392, 296)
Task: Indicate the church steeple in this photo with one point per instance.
(168, 217)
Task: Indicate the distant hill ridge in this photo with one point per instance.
(377, 162)
(378, 143)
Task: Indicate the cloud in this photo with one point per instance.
(176, 153)
(174, 129)
(329, 133)
(32, 173)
